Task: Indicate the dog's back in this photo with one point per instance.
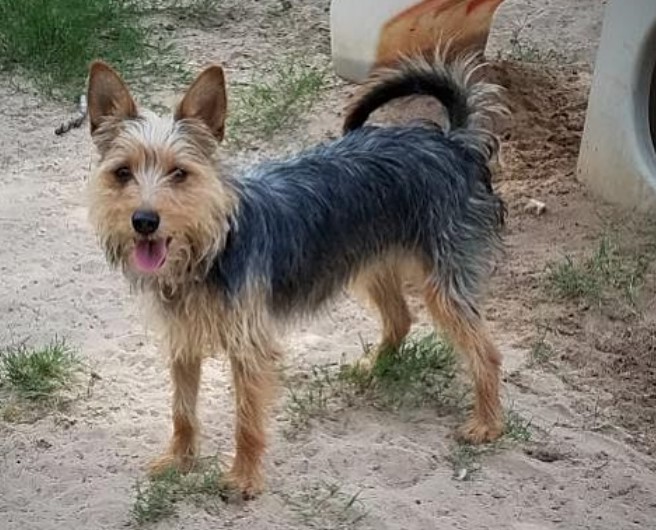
(308, 225)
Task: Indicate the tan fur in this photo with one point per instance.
(195, 325)
(255, 382)
(381, 285)
(470, 337)
(190, 210)
(195, 322)
(183, 448)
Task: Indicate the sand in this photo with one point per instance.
(77, 468)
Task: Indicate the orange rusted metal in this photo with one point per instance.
(418, 28)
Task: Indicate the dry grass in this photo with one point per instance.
(275, 98)
(608, 272)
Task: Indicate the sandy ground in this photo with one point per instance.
(585, 468)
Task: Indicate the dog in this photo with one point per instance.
(225, 262)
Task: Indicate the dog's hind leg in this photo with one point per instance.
(185, 377)
(462, 323)
(382, 287)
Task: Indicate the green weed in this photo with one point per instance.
(465, 460)
(523, 50)
(517, 428)
(38, 373)
(421, 371)
(156, 499)
(309, 398)
(541, 351)
(325, 505)
(608, 270)
(52, 42)
(266, 107)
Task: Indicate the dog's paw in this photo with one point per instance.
(170, 462)
(365, 364)
(477, 432)
(246, 486)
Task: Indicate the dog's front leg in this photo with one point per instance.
(185, 378)
(254, 385)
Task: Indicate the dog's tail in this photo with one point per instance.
(470, 104)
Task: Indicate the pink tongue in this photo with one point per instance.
(149, 256)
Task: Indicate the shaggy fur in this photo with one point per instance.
(230, 259)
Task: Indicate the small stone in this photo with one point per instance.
(535, 207)
(43, 444)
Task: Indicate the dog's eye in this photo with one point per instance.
(123, 174)
(178, 175)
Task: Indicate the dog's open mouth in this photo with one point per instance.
(149, 255)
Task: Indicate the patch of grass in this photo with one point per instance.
(518, 429)
(190, 7)
(263, 108)
(156, 499)
(523, 50)
(38, 373)
(541, 351)
(607, 270)
(422, 371)
(280, 8)
(465, 460)
(12, 413)
(325, 505)
(52, 42)
(568, 279)
(203, 13)
(309, 397)
(527, 52)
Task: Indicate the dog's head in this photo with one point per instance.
(158, 202)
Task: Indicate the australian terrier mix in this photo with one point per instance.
(225, 261)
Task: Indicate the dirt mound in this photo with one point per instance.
(542, 140)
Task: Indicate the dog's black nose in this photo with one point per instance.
(145, 221)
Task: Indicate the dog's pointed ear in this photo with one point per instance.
(107, 96)
(206, 101)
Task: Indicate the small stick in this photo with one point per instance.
(76, 122)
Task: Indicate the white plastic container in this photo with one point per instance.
(369, 33)
(617, 160)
